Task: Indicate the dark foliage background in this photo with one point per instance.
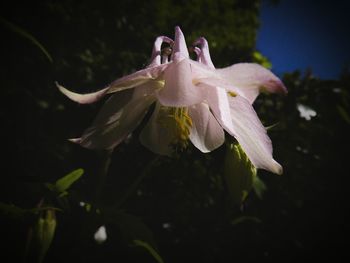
(179, 206)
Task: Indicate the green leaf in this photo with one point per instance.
(51, 187)
(243, 219)
(88, 207)
(239, 173)
(65, 182)
(150, 249)
(26, 35)
(11, 210)
(63, 194)
(17, 212)
(261, 59)
(343, 114)
(131, 227)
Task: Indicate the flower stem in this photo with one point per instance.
(133, 187)
(102, 173)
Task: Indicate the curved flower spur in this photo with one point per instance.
(194, 102)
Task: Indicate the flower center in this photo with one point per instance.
(183, 123)
(177, 123)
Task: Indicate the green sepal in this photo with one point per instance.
(63, 184)
(44, 232)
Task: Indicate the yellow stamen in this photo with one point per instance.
(178, 124)
(232, 94)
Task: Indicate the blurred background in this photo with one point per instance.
(177, 210)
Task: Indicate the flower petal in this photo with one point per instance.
(198, 52)
(179, 90)
(204, 56)
(201, 71)
(116, 121)
(180, 43)
(219, 104)
(137, 78)
(206, 133)
(156, 53)
(83, 98)
(215, 96)
(155, 136)
(252, 135)
(250, 79)
(113, 108)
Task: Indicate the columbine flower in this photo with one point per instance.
(194, 101)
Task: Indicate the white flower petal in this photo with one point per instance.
(200, 71)
(111, 127)
(156, 136)
(83, 98)
(206, 133)
(138, 78)
(180, 43)
(250, 79)
(252, 135)
(204, 55)
(218, 102)
(179, 90)
(145, 76)
(112, 109)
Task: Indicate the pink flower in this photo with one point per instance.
(194, 102)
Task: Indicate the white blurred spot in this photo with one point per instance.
(60, 107)
(166, 225)
(43, 104)
(82, 204)
(306, 112)
(303, 150)
(101, 235)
